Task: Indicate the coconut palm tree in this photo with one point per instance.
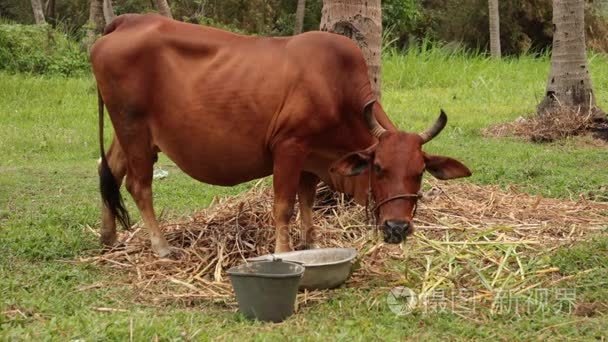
(163, 8)
(96, 22)
(38, 12)
(361, 21)
(569, 83)
(300, 16)
(50, 10)
(494, 28)
(108, 11)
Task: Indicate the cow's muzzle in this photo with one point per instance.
(395, 231)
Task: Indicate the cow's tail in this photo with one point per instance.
(110, 191)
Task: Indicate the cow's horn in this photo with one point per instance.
(432, 132)
(374, 126)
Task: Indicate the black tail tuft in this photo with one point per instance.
(110, 193)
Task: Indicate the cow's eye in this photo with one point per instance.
(377, 169)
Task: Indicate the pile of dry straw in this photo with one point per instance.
(468, 237)
(561, 124)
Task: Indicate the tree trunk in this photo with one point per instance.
(569, 84)
(95, 24)
(300, 16)
(108, 11)
(163, 8)
(361, 21)
(494, 28)
(38, 12)
(200, 12)
(50, 10)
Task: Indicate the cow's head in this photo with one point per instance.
(396, 164)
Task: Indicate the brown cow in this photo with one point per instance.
(228, 108)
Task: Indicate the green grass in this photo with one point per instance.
(48, 197)
(587, 263)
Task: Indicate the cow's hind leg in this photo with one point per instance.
(111, 175)
(140, 162)
(307, 190)
(288, 159)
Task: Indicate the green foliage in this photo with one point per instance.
(400, 18)
(40, 50)
(16, 10)
(70, 15)
(207, 21)
(525, 25)
(263, 17)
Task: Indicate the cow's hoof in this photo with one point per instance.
(161, 247)
(108, 239)
(164, 252)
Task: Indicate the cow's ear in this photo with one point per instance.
(352, 164)
(445, 167)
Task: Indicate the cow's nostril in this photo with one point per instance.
(395, 230)
(407, 229)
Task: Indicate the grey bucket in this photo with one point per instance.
(266, 290)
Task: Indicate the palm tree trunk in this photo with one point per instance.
(300, 16)
(569, 83)
(38, 12)
(494, 28)
(361, 21)
(50, 10)
(163, 8)
(108, 11)
(95, 24)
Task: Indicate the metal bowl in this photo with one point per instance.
(325, 268)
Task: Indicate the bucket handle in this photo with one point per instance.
(278, 259)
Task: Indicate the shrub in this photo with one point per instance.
(40, 50)
(400, 19)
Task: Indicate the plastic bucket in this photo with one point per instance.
(266, 290)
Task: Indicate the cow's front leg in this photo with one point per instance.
(288, 159)
(307, 190)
